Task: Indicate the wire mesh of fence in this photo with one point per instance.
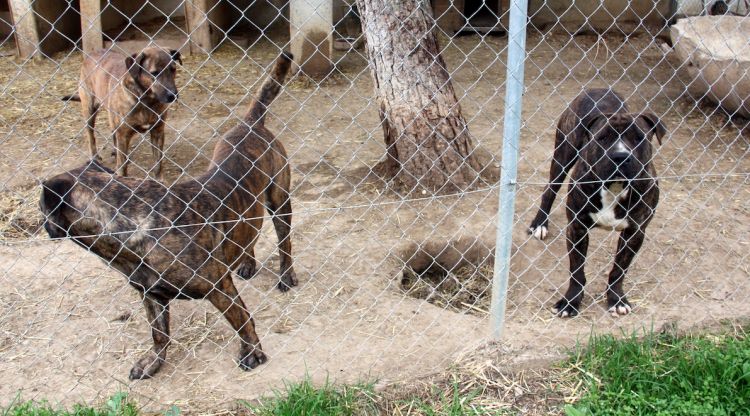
(248, 192)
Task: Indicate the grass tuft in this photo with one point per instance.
(117, 405)
(304, 398)
(664, 375)
(454, 404)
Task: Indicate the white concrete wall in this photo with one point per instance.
(312, 35)
(696, 8)
(597, 15)
(690, 7)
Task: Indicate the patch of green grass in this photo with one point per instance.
(117, 405)
(305, 399)
(454, 404)
(664, 375)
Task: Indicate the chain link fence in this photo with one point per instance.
(391, 284)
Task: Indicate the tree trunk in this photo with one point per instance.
(428, 142)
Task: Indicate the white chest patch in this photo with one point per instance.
(606, 216)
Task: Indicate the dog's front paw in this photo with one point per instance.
(248, 269)
(565, 308)
(252, 360)
(539, 227)
(146, 367)
(619, 307)
(288, 281)
(539, 231)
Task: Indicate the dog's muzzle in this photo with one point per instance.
(620, 158)
(624, 165)
(171, 97)
(54, 230)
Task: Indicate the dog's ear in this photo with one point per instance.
(655, 125)
(133, 64)
(176, 56)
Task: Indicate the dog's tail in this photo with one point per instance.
(270, 89)
(74, 97)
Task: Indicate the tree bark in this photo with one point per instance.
(428, 142)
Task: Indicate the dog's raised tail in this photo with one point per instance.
(270, 89)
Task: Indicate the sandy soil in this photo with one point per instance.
(70, 328)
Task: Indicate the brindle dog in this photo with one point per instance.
(136, 92)
(613, 185)
(183, 242)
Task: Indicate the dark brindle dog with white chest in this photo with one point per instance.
(613, 185)
(136, 91)
(183, 242)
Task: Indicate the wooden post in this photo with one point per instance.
(312, 35)
(91, 25)
(26, 30)
(200, 34)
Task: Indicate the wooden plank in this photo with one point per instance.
(26, 30)
(199, 25)
(91, 25)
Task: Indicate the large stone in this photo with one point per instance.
(715, 52)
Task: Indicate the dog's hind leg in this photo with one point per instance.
(157, 312)
(90, 110)
(279, 206)
(631, 240)
(563, 160)
(248, 266)
(227, 300)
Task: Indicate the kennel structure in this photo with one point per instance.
(43, 27)
(599, 16)
(488, 16)
(481, 16)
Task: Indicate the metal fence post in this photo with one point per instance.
(511, 134)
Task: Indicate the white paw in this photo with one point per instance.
(540, 232)
(620, 310)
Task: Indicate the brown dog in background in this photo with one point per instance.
(136, 91)
(183, 242)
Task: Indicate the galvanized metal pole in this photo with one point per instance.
(511, 134)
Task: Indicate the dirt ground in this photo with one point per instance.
(71, 328)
